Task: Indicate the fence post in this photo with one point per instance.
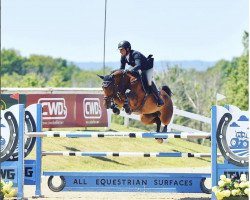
(109, 112)
(126, 121)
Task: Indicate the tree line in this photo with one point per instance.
(193, 90)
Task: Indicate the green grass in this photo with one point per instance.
(64, 163)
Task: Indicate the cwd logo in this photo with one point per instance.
(53, 108)
(92, 108)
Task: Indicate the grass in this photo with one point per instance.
(64, 163)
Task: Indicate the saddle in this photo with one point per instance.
(143, 79)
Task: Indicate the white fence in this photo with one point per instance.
(171, 126)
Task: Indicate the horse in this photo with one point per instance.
(124, 89)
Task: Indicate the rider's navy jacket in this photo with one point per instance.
(136, 59)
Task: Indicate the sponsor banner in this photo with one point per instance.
(70, 110)
(91, 112)
(58, 109)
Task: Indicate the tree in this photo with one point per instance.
(236, 85)
(18, 81)
(12, 62)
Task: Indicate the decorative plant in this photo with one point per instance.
(232, 188)
(6, 189)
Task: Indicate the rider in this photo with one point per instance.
(140, 64)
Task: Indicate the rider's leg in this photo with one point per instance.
(153, 88)
(145, 82)
(156, 94)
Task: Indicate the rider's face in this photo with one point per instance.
(123, 52)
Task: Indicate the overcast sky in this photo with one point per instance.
(170, 29)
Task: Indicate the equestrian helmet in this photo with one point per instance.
(124, 45)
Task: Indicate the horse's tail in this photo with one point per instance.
(167, 90)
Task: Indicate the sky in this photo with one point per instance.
(207, 30)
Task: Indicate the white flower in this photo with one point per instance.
(243, 185)
(236, 185)
(246, 191)
(247, 184)
(234, 192)
(214, 189)
(221, 183)
(228, 180)
(238, 189)
(222, 177)
(243, 177)
(6, 188)
(219, 195)
(227, 193)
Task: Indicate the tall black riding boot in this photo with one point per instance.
(156, 95)
(145, 85)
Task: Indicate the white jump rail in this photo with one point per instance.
(127, 154)
(89, 134)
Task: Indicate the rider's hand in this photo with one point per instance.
(135, 72)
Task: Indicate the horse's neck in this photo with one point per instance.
(124, 84)
(138, 93)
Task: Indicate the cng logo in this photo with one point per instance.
(53, 108)
(92, 108)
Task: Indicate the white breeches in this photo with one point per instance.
(150, 76)
(149, 73)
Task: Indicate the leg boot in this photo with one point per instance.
(156, 95)
(144, 81)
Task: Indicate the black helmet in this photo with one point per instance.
(124, 44)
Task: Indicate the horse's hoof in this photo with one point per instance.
(128, 111)
(159, 140)
(165, 140)
(116, 111)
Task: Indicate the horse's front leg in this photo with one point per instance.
(126, 103)
(115, 109)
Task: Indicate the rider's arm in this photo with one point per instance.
(123, 63)
(138, 62)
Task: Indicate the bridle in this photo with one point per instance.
(117, 90)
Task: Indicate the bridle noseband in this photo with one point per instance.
(116, 89)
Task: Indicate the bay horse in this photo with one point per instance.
(124, 89)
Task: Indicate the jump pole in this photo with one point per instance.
(127, 154)
(89, 134)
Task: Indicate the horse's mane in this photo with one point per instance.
(122, 71)
(117, 71)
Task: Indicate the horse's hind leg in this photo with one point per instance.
(158, 124)
(158, 127)
(165, 129)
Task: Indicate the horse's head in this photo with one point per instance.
(113, 86)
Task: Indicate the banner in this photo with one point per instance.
(71, 110)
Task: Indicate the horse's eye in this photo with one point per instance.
(106, 84)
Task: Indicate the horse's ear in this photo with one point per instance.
(102, 77)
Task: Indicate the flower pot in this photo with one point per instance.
(1, 197)
(236, 198)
